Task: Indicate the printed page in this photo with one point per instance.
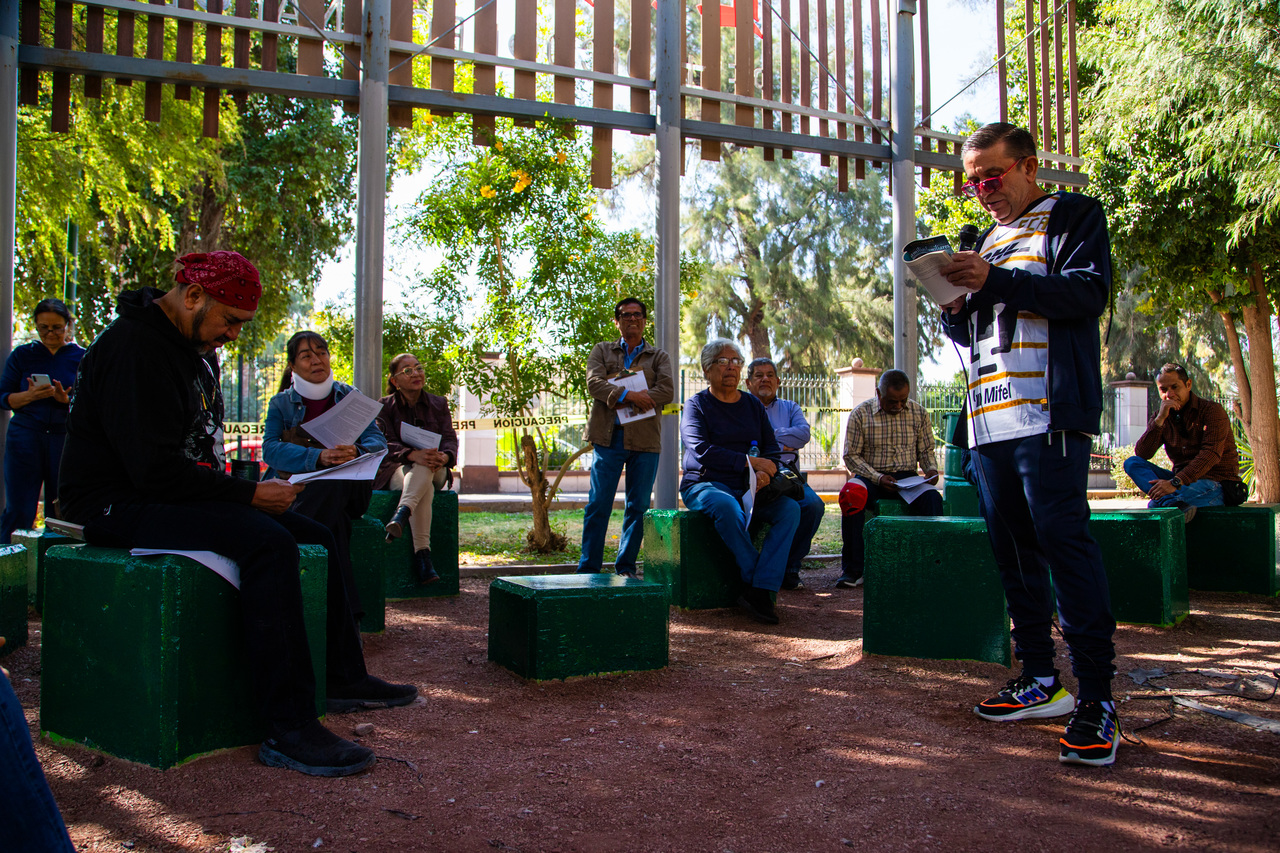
(912, 488)
(224, 567)
(419, 438)
(361, 468)
(633, 382)
(924, 269)
(344, 422)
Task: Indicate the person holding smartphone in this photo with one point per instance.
(36, 385)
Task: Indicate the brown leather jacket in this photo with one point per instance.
(606, 361)
(431, 412)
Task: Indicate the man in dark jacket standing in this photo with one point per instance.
(1039, 283)
(633, 445)
(143, 467)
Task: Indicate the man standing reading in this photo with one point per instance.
(1039, 283)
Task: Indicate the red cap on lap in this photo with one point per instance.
(853, 497)
(226, 276)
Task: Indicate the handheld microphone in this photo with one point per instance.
(968, 238)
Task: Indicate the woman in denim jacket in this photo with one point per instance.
(307, 390)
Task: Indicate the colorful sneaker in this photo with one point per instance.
(1025, 698)
(1092, 737)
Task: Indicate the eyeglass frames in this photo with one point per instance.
(986, 186)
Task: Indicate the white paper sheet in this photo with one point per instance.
(344, 422)
(419, 438)
(361, 468)
(225, 567)
(911, 488)
(749, 499)
(634, 382)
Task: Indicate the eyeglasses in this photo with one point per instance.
(631, 315)
(986, 186)
(725, 362)
(412, 371)
(45, 330)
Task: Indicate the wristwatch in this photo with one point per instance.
(1176, 482)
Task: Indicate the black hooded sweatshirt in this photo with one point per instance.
(146, 421)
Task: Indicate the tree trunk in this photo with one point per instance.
(541, 538)
(1264, 422)
(1244, 407)
(756, 333)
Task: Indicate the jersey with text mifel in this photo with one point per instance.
(1008, 391)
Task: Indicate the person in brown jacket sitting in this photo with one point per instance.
(618, 440)
(416, 472)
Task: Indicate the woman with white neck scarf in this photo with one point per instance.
(308, 390)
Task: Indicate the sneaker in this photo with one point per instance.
(395, 527)
(371, 693)
(628, 573)
(791, 580)
(1092, 736)
(849, 582)
(1025, 698)
(1188, 513)
(316, 751)
(758, 604)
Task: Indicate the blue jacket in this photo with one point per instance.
(285, 411)
(1071, 297)
(717, 436)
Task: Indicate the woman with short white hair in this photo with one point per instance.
(727, 438)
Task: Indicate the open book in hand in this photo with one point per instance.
(923, 259)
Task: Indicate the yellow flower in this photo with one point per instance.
(560, 157)
(487, 191)
(522, 180)
(588, 216)
(498, 145)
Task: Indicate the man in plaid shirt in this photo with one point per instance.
(1196, 433)
(886, 440)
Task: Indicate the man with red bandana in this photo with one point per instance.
(144, 467)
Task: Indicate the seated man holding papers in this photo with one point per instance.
(144, 467)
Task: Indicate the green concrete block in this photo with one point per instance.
(558, 626)
(144, 657)
(37, 543)
(950, 421)
(370, 555)
(1145, 556)
(953, 462)
(395, 559)
(1233, 549)
(889, 507)
(683, 552)
(960, 498)
(933, 591)
(13, 597)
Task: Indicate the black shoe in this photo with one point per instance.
(422, 568)
(1188, 511)
(371, 693)
(628, 573)
(1025, 698)
(1092, 736)
(791, 580)
(395, 527)
(758, 604)
(849, 582)
(316, 751)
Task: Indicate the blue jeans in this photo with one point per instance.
(1033, 497)
(811, 512)
(763, 570)
(642, 468)
(28, 813)
(1199, 493)
(31, 460)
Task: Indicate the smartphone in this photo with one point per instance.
(42, 379)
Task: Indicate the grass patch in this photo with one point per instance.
(497, 538)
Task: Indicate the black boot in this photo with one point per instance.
(316, 751)
(395, 527)
(426, 573)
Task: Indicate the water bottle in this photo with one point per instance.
(755, 450)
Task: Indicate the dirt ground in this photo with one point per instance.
(754, 738)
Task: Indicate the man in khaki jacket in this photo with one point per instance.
(633, 444)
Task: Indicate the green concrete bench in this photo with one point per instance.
(932, 591)
(385, 571)
(559, 626)
(1233, 549)
(144, 657)
(683, 552)
(1144, 554)
(13, 596)
(37, 542)
(960, 498)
